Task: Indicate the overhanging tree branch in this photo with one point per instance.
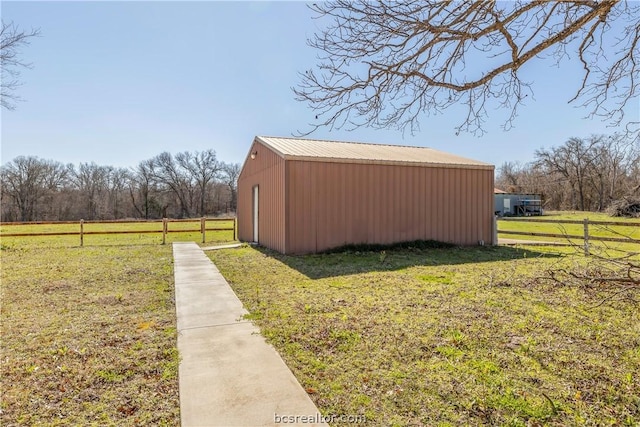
(12, 39)
(389, 64)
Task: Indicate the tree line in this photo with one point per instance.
(188, 184)
(586, 174)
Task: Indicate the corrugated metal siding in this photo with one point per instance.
(266, 171)
(333, 204)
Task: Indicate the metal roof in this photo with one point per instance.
(356, 152)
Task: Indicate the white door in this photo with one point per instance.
(255, 214)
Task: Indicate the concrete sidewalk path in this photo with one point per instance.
(215, 248)
(228, 374)
(513, 242)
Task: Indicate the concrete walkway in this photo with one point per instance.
(514, 242)
(228, 374)
(218, 247)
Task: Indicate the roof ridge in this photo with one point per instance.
(377, 144)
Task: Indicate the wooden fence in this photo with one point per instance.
(164, 227)
(585, 236)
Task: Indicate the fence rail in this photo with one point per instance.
(572, 221)
(115, 221)
(585, 236)
(165, 227)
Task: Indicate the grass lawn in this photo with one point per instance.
(88, 336)
(445, 337)
(88, 333)
(406, 337)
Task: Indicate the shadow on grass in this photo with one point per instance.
(352, 261)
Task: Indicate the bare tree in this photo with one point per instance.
(92, 183)
(591, 172)
(231, 173)
(203, 168)
(574, 161)
(385, 64)
(26, 180)
(168, 173)
(509, 177)
(609, 163)
(142, 190)
(118, 180)
(12, 39)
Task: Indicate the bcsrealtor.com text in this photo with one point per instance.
(317, 418)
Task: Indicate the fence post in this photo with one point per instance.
(203, 228)
(82, 232)
(586, 236)
(164, 230)
(234, 228)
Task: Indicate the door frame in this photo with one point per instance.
(255, 212)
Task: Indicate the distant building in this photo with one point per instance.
(302, 196)
(515, 204)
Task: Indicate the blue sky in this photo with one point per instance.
(119, 82)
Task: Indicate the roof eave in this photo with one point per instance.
(388, 162)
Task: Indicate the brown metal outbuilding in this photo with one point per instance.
(302, 196)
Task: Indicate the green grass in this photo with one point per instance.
(88, 334)
(405, 336)
(444, 337)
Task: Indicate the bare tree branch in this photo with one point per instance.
(388, 64)
(11, 40)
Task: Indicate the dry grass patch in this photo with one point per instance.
(88, 335)
(441, 337)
